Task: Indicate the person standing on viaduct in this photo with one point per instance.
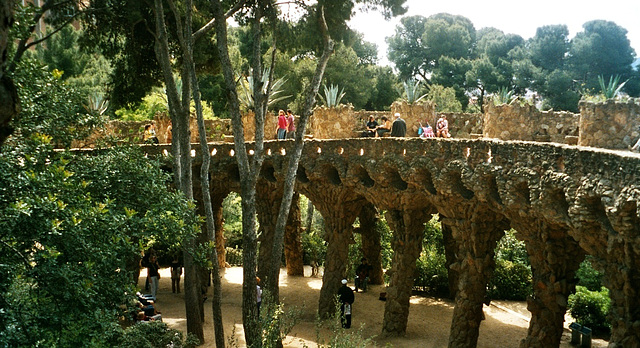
(291, 125)
(399, 127)
(346, 299)
(282, 125)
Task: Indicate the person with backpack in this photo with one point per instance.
(346, 298)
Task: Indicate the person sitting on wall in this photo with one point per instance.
(149, 135)
(442, 127)
(399, 127)
(371, 127)
(425, 131)
(385, 127)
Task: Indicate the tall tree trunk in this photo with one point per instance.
(220, 240)
(248, 178)
(216, 303)
(179, 110)
(294, 157)
(9, 102)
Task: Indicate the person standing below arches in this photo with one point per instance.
(346, 298)
(282, 125)
(154, 275)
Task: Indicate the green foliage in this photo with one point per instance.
(340, 338)
(151, 105)
(590, 308)
(246, 87)
(510, 281)
(232, 217)
(155, 334)
(412, 91)
(276, 322)
(432, 275)
(314, 247)
(503, 96)
(96, 104)
(509, 248)
(444, 98)
(332, 96)
(611, 89)
(588, 276)
(49, 106)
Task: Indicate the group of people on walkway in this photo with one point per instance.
(398, 128)
(286, 125)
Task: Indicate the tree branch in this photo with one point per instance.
(205, 28)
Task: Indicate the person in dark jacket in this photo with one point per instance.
(399, 127)
(346, 299)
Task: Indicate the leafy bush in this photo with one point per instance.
(511, 249)
(432, 275)
(155, 334)
(588, 276)
(510, 281)
(150, 105)
(590, 308)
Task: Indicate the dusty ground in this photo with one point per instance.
(429, 318)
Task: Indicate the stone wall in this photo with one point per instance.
(462, 125)
(414, 114)
(522, 121)
(334, 123)
(610, 124)
(132, 131)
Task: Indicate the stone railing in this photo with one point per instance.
(610, 124)
(522, 121)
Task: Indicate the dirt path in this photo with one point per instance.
(429, 318)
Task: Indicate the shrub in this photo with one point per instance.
(590, 308)
(510, 281)
(155, 334)
(588, 276)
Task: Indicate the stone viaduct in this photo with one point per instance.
(564, 201)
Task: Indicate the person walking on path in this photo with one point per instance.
(399, 127)
(176, 273)
(154, 275)
(346, 299)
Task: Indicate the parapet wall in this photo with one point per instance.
(462, 125)
(414, 114)
(522, 121)
(334, 123)
(610, 124)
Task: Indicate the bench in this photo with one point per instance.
(580, 335)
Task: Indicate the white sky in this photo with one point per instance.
(522, 18)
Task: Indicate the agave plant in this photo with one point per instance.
(503, 96)
(96, 104)
(246, 89)
(332, 96)
(612, 89)
(412, 91)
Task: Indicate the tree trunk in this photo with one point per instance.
(371, 244)
(9, 102)
(220, 240)
(408, 231)
(248, 177)
(179, 110)
(296, 153)
(293, 241)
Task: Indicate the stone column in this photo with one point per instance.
(623, 283)
(292, 239)
(371, 245)
(555, 257)
(408, 231)
(338, 213)
(476, 232)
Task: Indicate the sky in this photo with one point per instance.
(522, 18)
